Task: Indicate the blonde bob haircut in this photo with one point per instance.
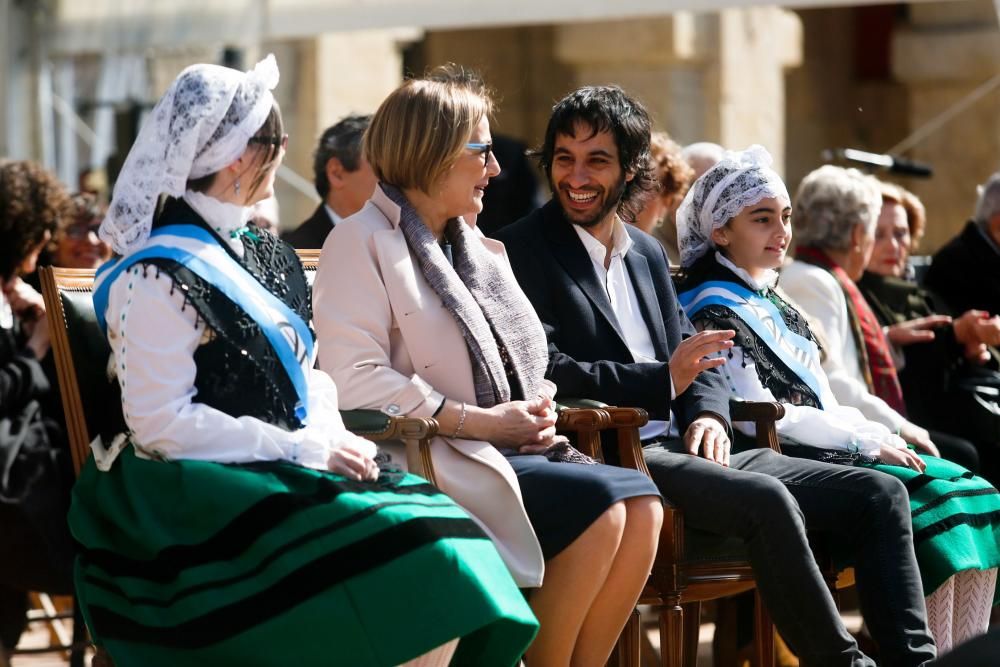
(421, 129)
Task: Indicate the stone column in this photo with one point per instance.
(704, 77)
(945, 52)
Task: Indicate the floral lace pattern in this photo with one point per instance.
(202, 123)
(737, 181)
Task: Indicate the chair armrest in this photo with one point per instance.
(415, 432)
(763, 414)
(376, 425)
(586, 422)
(626, 422)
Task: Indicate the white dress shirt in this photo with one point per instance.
(819, 293)
(624, 302)
(153, 338)
(334, 218)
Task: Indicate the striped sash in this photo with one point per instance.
(795, 351)
(198, 250)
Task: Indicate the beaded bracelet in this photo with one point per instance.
(461, 422)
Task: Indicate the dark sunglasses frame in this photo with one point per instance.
(484, 149)
(78, 232)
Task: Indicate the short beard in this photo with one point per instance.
(611, 203)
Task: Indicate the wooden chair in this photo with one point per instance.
(81, 355)
(691, 566)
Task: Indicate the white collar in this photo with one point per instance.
(770, 276)
(620, 242)
(226, 219)
(334, 218)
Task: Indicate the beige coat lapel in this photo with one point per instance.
(472, 472)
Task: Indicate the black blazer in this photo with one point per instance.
(966, 273)
(588, 357)
(311, 233)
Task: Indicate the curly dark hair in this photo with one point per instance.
(32, 202)
(607, 109)
(674, 175)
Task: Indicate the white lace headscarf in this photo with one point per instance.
(735, 182)
(201, 124)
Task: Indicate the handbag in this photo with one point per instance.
(34, 501)
(977, 402)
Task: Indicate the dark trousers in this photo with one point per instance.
(769, 500)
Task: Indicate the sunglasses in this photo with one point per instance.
(483, 149)
(80, 232)
(281, 141)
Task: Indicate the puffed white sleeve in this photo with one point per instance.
(823, 299)
(835, 427)
(153, 337)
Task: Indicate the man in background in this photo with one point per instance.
(343, 180)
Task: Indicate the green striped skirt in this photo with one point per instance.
(201, 563)
(956, 520)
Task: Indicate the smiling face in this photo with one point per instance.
(757, 238)
(586, 176)
(461, 190)
(892, 241)
(79, 246)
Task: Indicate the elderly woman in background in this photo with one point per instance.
(77, 244)
(36, 550)
(434, 325)
(673, 176)
(735, 231)
(836, 211)
(939, 354)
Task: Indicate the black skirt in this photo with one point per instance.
(563, 499)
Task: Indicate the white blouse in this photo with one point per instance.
(821, 296)
(834, 427)
(153, 339)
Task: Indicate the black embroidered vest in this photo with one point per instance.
(771, 371)
(238, 371)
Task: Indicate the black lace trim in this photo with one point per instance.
(773, 374)
(238, 370)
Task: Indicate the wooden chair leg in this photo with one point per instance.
(628, 649)
(76, 656)
(692, 628)
(725, 652)
(763, 633)
(672, 631)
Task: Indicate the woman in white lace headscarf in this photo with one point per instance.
(741, 209)
(232, 519)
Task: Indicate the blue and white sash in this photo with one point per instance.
(795, 351)
(198, 250)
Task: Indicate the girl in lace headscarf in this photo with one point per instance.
(234, 520)
(735, 230)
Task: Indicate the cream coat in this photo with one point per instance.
(389, 344)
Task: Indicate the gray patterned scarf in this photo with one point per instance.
(494, 315)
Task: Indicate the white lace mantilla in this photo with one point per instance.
(737, 181)
(202, 123)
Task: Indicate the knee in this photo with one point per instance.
(610, 525)
(769, 503)
(644, 514)
(886, 495)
